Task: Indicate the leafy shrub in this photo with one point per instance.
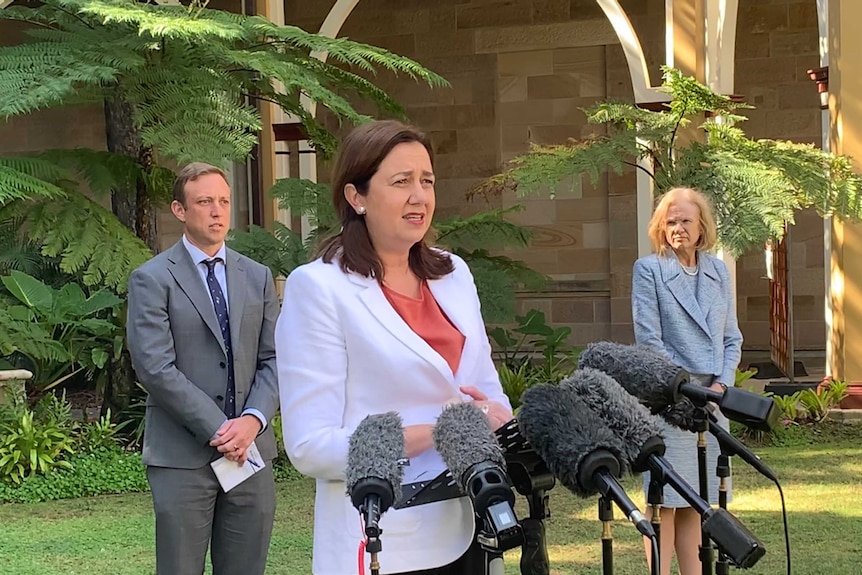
(99, 434)
(532, 352)
(99, 472)
(28, 447)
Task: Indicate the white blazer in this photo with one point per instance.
(343, 352)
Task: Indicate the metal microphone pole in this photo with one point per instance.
(655, 498)
(373, 547)
(722, 470)
(606, 516)
(705, 552)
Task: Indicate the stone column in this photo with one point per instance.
(845, 108)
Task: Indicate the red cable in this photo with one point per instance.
(361, 556)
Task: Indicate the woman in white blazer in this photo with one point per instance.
(382, 322)
(682, 303)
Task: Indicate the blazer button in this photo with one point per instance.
(220, 397)
(222, 364)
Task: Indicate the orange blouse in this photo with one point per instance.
(428, 321)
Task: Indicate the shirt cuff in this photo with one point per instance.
(258, 415)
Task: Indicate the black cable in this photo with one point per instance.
(786, 531)
(656, 568)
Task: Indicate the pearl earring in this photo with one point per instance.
(361, 210)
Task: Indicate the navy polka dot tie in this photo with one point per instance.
(224, 323)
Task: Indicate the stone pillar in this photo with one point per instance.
(845, 110)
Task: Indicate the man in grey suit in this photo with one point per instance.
(200, 332)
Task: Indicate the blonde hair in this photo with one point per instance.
(658, 222)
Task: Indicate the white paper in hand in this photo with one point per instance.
(230, 473)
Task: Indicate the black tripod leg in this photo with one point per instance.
(705, 552)
(606, 516)
(722, 567)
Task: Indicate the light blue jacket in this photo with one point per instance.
(697, 331)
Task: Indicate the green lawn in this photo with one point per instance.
(822, 483)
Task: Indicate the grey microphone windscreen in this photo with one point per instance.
(463, 439)
(564, 433)
(647, 375)
(630, 421)
(374, 450)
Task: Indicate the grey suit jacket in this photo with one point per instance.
(179, 356)
(697, 330)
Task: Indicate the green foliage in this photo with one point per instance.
(817, 403)
(756, 186)
(58, 331)
(189, 74)
(532, 352)
(28, 447)
(96, 472)
(801, 412)
(497, 277)
(98, 435)
(281, 251)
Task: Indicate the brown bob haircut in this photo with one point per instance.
(658, 222)
(362, 152)
(190, 173)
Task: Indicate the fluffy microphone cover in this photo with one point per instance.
(374, 450)
(563, 431)
(463, 439)
(642, 372)
(630, 421)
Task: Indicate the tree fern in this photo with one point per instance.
(756, 186)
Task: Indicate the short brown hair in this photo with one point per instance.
(190, 173)
(362, 152)
(658, 222)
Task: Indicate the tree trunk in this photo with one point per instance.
(133, 207)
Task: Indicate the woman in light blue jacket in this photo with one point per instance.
(682, 303)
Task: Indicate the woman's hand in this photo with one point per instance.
(497, 414)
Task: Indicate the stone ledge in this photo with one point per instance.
(846, 415)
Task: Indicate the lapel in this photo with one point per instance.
(380, 308)
(236, 293)
(183, 269)
(680, 288)
(708, 285)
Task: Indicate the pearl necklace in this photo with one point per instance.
(693, 272)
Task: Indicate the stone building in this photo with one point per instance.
(520, 72)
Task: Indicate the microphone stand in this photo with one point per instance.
(706, 551)
(373, 547)
(606, 516)
(722, 470)
(655, 498)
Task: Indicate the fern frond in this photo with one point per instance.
(86, 238)
(307, 198)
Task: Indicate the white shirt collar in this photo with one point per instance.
(199, 256)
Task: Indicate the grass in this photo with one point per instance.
(114, 535)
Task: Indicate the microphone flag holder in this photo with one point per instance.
(529, 476)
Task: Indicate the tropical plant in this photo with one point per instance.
(28, 447)
(532, 352)
(177, 83)
(817, 403)
(755, 186)
(57, 332)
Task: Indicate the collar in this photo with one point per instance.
(198, 256)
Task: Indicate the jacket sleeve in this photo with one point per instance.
(732, 335)
(489, 380)
(263, 395)
(311, 356)
(645, 308)
(151, 346)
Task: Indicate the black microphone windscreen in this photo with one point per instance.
(684, 414)
(630, 421)
(374, 451)
(564, 432)
(463, 439)
(647, 375)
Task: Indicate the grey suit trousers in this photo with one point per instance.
(191, 507)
